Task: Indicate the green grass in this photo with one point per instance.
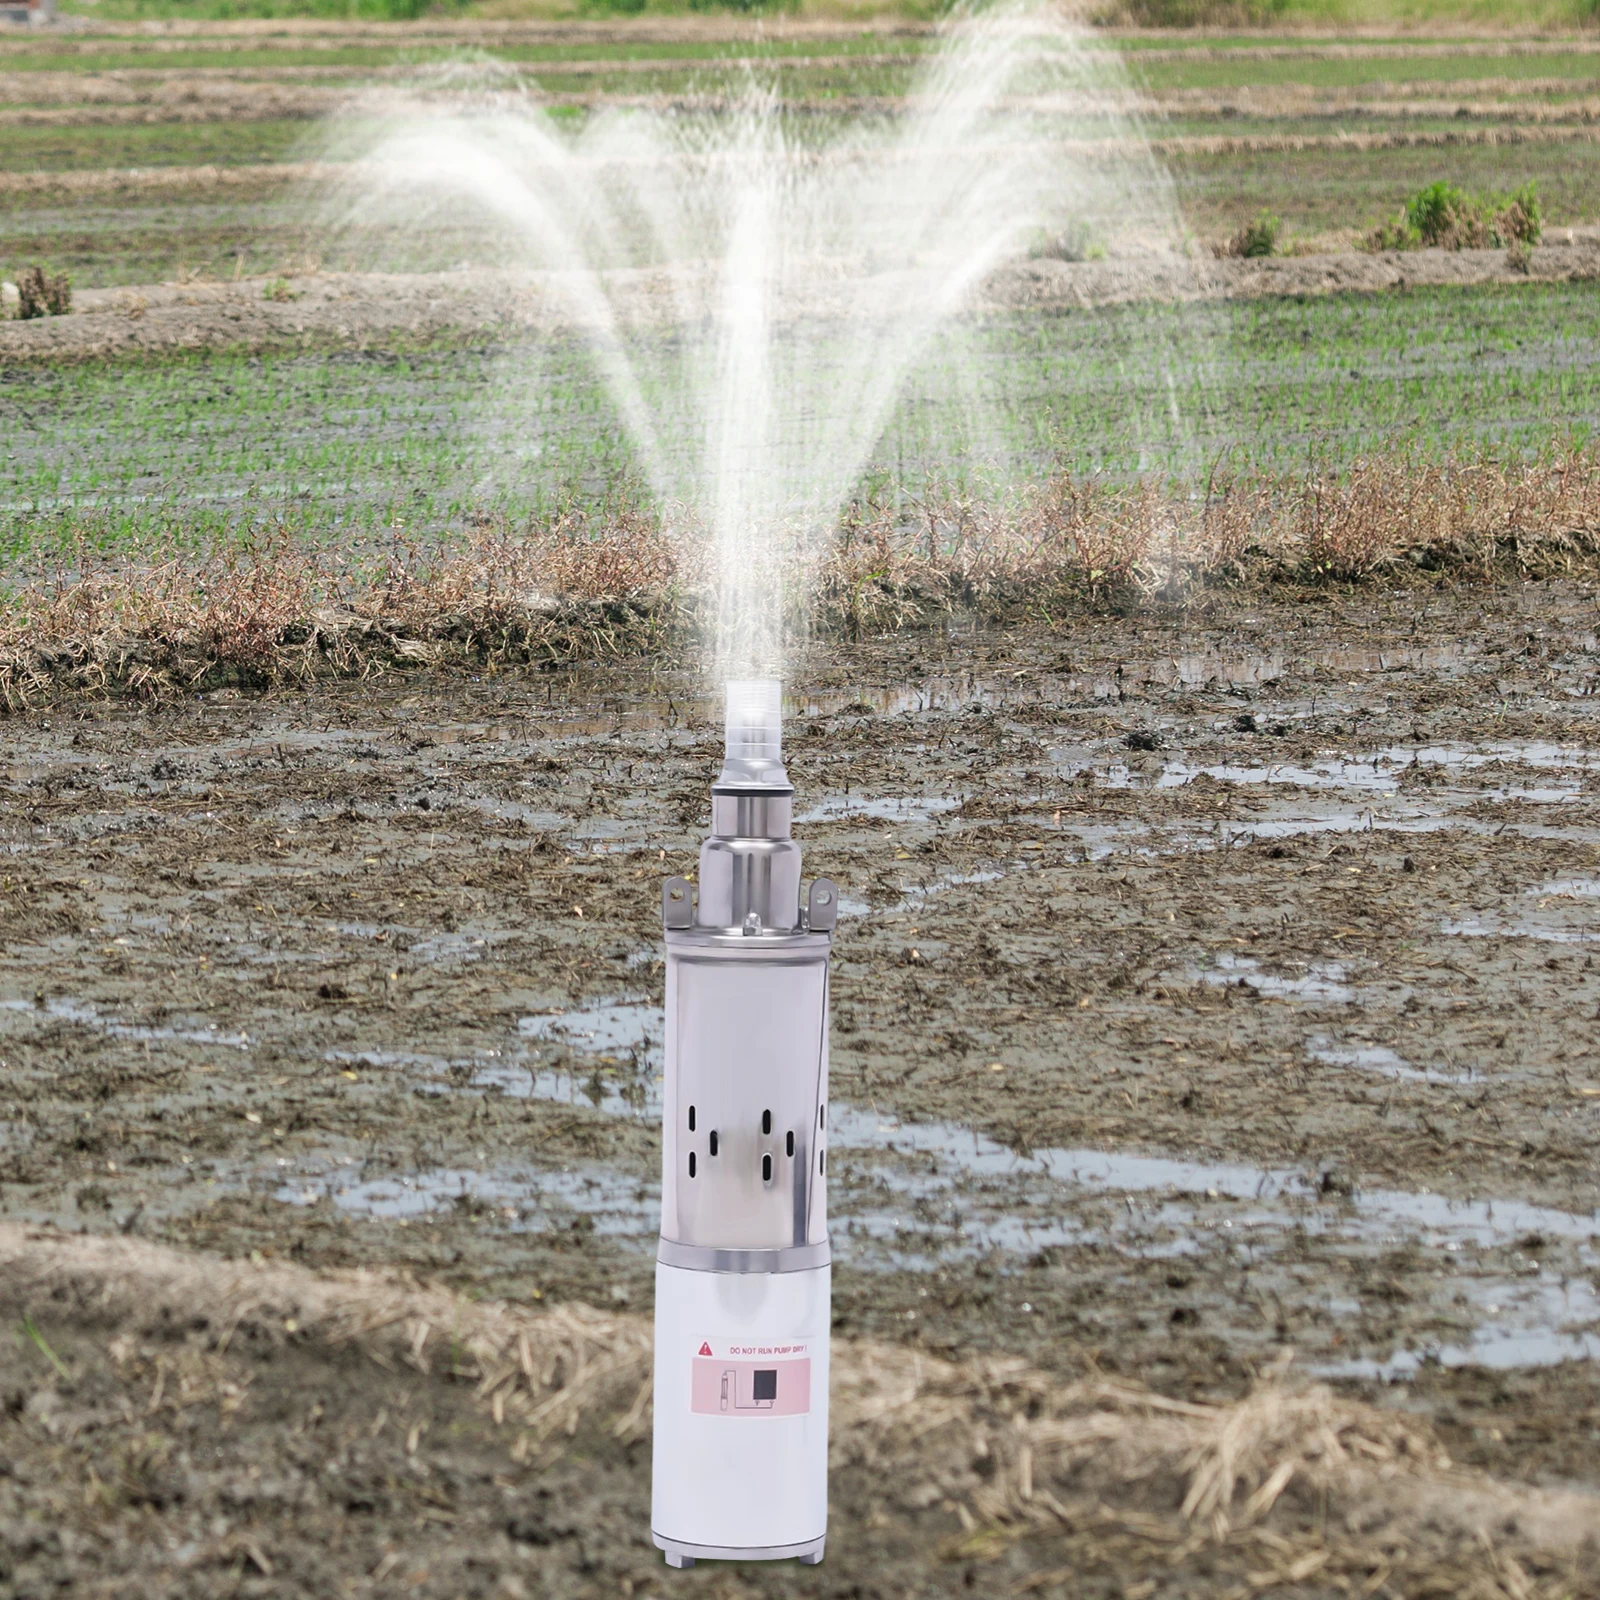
(1205, 71)
(1377, 15)
(1322, 190)
(1521, 14)
(121, 54)
(353, 446)
(841, 12)
(1381, 15)
(235, 10)
(349, 446)
(106, 244)
(226, 54)
(1347, 72)
(168, 144)
(1275, 383)
(346, 445)
(108, 241)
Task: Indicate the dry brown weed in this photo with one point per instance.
(618, 583)
(1011, 1453)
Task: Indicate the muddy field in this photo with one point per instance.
(1216, 1206)
(1216, 991)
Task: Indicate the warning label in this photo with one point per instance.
(751, 1380)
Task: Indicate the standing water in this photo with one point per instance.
(756, 284)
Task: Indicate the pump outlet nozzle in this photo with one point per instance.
(753, 752)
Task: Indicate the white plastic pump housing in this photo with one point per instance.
(743, 1274)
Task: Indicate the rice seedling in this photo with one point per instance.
(343, 447)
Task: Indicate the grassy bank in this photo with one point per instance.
(163, 618)
(346, 445)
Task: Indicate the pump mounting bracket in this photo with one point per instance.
(677, 903)
(822, 906)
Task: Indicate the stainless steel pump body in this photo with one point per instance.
(746, 1048)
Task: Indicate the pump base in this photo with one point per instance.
(685, 1555)
(740, 1453)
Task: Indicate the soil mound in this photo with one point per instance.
(179, 1417)
(362, 309)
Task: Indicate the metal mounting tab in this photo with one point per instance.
(822, 906)
(677, 903)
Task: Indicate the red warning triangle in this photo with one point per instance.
(705, 1349)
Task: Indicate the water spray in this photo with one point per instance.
(743, 1280)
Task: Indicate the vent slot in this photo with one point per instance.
(766, 1122)
(691, 1119)
(766, 1168)
(691, 1163)
(713, 1141)
(822, 1115)
(822, 1161)
(788, 1143)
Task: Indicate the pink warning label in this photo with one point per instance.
(748, 1380)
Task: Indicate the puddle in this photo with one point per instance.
(619, 1044)
(1320, 982)
(628, 1027)
(1262, 671)
(918, 895)
(431, 945)
(1384, 771)
(1489, 926)
(940, 1199)
(1372, 792)
(932, 694)
(1515, 752)
(1536, 797)
(889, 810)
(1567, 889)
(1412, 658)
(620, 1027)
(1380, 1060)
(1547, 1329)
(1446, 1222)
(537, 819)
(86, 1016)
(915, 1195)
(1328, 774)
(525, 1200)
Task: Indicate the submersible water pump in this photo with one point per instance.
(742, 1274)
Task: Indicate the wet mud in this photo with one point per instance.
(1214, 990)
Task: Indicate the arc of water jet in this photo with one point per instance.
(459, 159)
(807, 282)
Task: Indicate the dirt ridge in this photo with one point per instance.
(367, 308)
(545, 1373)
(203, 97)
